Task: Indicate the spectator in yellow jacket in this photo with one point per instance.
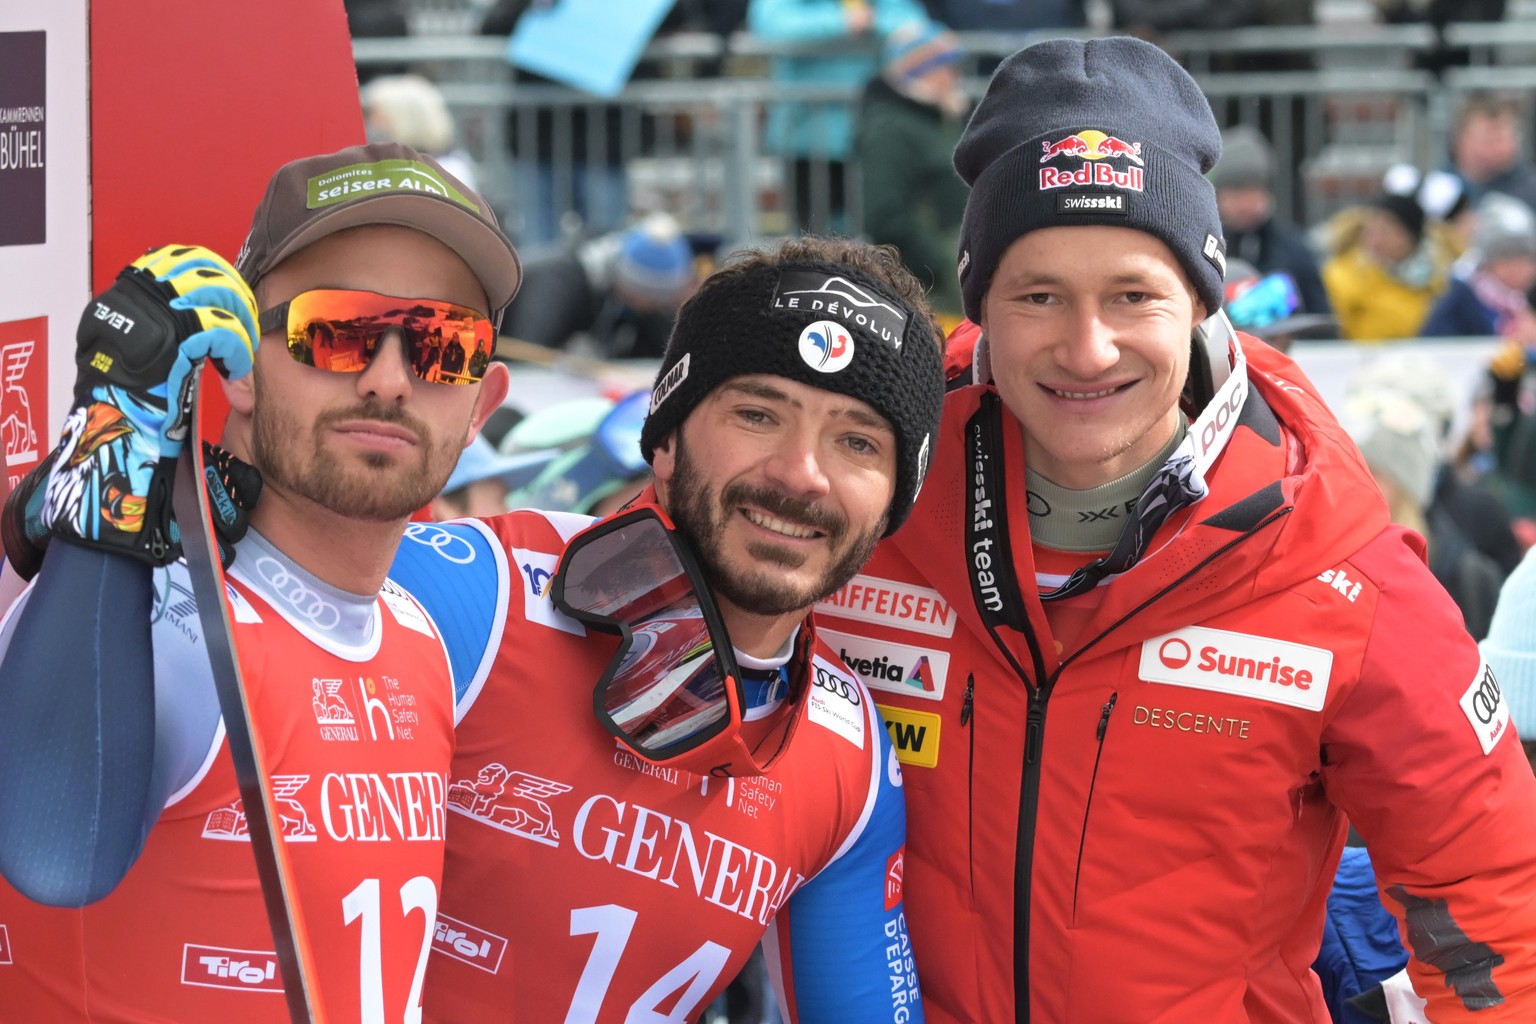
(1386, 271)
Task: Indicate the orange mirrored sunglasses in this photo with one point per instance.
(339, 329)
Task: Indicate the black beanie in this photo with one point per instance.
(819, 323)
(1103, 131)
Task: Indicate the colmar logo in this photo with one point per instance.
(465, 942)
(671, 382)
(244, 969)
(5, 946)
(1240, 664)
(826, 346)
(1485, 708)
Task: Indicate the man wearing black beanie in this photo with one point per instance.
(1160, 642)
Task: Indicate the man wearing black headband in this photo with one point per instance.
(789, 430)
(1176, 644)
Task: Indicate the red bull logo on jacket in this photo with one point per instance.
(1077, 160)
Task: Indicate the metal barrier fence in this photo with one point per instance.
(694, 145)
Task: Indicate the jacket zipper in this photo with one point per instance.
(966, 705)
(1024, 858)
(1034, 739)
(1082, 842)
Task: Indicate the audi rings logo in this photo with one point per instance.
(1175, 653)
(844, 688)
(1486, 697)
(446, 543)
(303, 602)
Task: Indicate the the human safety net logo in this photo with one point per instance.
(1241, 664)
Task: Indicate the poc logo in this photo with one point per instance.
(1484, 706)
(246, 969)
(467, 943)
(1342, 583)
(1216, 423)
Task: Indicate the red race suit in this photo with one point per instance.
(357, 740)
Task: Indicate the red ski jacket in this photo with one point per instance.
(1143, 825)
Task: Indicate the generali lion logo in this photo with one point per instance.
(229, 823)
(510, 800)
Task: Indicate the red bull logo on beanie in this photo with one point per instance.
(1089, 147)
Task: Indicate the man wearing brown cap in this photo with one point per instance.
(355, 258)
(1175, 646)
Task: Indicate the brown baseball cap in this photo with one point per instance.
(379, 183)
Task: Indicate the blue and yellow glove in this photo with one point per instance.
(110, 484)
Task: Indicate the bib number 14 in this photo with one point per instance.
(612, 924)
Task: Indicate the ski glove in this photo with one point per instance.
(110, 482)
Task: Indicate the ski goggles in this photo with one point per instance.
(339, 329)
(673, 693)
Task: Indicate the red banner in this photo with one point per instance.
(23, 395)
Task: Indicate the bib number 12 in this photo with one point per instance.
(362, 904)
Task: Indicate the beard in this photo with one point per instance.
(386, 488)
(702, 516)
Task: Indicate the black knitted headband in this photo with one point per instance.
(818, 323)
